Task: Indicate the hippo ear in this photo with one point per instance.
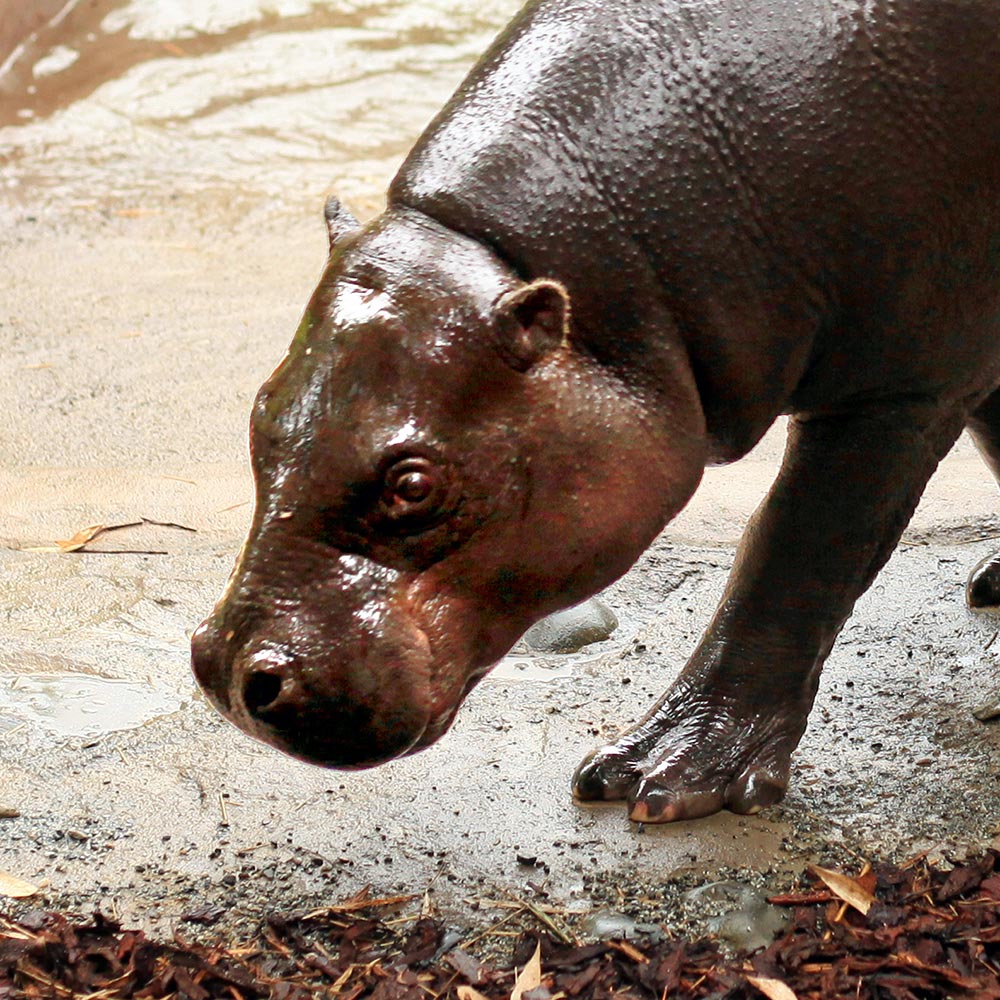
(339, 221)
(532, 322)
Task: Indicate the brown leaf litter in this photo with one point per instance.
(928, 933)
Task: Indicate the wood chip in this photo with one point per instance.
(934, 933)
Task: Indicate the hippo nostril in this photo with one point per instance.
(261, 692)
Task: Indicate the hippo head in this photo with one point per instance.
(437, 466)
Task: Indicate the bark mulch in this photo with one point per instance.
(927, 933)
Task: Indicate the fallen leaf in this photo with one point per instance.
(530, 977)
(846, 888)
(86, 535)
(74, 544)
(15, 888)
(81, 538)
(773, 989)
(468, 993)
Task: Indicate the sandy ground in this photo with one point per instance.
(132, 347)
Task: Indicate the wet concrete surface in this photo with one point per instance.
(153, 264)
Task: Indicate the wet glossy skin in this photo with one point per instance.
(409, 489)
(632, 239)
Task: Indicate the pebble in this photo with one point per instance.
(570, 630)
(989, 709)
(608, 924)
(746, 921)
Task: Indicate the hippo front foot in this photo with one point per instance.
(983, 589)
(687, 761)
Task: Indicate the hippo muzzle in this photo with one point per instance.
(343, 683)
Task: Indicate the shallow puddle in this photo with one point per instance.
(526, 668)
(80, 704)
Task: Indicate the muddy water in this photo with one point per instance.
(141, 101)
(80, 705)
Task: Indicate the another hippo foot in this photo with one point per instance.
(983, 589)
(682, 765)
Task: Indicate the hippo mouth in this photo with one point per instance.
(338, 708)
(325, 707)
(441, 722)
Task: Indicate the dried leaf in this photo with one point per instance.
(81, 538)
(86, 535)
(530, 977)
(74, 544)
(15, 888)
(846, 888)
(468, 993)
(773, 989)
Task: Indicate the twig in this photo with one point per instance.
(557, 928)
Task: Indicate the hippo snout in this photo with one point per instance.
(335, 702)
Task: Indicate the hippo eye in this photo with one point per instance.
(413, 486)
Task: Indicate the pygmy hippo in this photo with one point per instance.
(636, 235)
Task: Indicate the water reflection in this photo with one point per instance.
(151, 97)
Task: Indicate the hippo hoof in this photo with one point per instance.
(681, 773)
(983, 588)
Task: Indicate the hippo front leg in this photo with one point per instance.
(723, 734)
(983, 588)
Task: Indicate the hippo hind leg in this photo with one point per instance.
(723, 734)
(983, 588)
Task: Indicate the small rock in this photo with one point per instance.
(608, 924)
(751, 927)
(570, 630)
(990, 709)
(205, 915)
(746, 920)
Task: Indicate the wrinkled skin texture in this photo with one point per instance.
(635, 236)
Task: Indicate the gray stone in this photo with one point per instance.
(570, 630)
